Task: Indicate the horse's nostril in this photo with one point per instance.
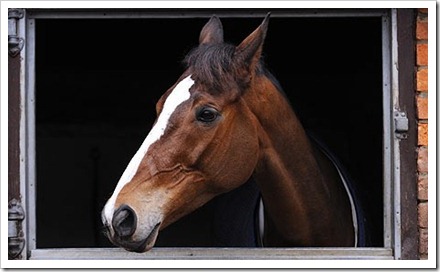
(124, 221)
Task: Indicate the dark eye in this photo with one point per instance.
(207, 115)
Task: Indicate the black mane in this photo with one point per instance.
(214, 66)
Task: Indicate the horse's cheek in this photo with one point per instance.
(242, 154)
(245, 155)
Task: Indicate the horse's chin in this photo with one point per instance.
(143, 245)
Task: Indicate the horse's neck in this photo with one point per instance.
(297, 194)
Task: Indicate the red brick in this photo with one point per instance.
(422, 187)
(422, 30)
(422, 159)
(423, 215)
(422, 80)
(423, 241)
(423, 134)
(422, 112)
(422, 54)
(422, 106)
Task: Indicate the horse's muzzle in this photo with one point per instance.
(122, 231)
(137, 246)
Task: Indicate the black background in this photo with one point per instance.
(97, 82)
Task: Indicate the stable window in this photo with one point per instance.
(93, 78)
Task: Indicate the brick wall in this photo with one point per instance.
(422, 117)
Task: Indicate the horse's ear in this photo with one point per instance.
(250, 49)
(212, 32)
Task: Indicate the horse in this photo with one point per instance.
(226, 120)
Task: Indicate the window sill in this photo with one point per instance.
(214, 254)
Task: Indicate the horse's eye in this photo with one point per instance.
(207, 115)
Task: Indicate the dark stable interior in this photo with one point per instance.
(97, 82)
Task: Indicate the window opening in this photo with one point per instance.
(95, 102)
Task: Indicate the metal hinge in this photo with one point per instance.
(15, 43)
(16, 239)
(401, 124)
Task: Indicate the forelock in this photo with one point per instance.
(213, 66)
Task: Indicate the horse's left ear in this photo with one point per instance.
(250, 49)
(212, 32)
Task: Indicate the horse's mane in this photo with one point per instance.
(214, 66)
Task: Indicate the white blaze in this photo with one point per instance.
(179, 95)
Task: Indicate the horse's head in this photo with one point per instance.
(204, 141)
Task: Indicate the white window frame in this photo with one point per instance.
(391, 153)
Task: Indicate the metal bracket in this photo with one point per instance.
(16, 239)
(15, 43)
(401, 124)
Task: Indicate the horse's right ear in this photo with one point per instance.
(250, 49)
(212, 32)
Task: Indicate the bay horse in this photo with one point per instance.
(224, 121)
